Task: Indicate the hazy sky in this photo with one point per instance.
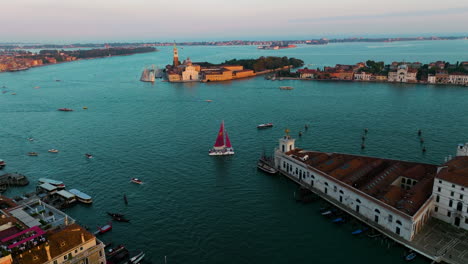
(156, 20)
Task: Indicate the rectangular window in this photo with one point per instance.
(451, 193)
(438, 189)
(449, 214)
(390, 218)
(437, 198)
(451, 203)
(440, 181)
(436, 209)
(461, 196)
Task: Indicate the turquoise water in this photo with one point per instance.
(194, 208)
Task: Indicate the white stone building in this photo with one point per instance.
(431, 78)
(451, 190)
(395, 195)
(458, 78)
(403, 74)
(363, 76)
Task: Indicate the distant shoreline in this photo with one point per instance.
(321, 41)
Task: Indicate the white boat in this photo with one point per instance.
(58, 184)
(81, 196)
(222, 146)
(136, 259)
(2, 164)
(53, 151)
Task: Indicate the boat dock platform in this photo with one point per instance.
(12, 179)
(437, 241)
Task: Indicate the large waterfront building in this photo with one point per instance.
(395, 195)
(451, 190)
(35, 233)
(403, 74)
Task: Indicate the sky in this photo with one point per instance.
(65, 21)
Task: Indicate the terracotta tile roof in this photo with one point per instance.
(375, 176)
(59, 242)
(456, 171)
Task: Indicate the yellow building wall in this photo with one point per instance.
(244, 74)
(174, 77)
(226, 75)
(234, 67)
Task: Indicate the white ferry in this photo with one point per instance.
(58, 184)
(81, 196)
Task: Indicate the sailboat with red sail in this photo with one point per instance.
(222, 145)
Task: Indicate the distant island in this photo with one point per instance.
(17, 60)
(189, 71)
(265, 43)
(439, 72)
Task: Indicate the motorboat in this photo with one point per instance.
(53, 151)
(208, 101)
(31, 139)
(115, 251)
(286, 87)
(104, 229)
(222, 145)
(2, 164)
(85, 107)
(136, 180)
(266, 125)
(359, 231)
(264, 164)
(89, 156)
(136, 259)
(58, 184)
(65, 109)
(411, 256)
(32, 154)
(81, 196)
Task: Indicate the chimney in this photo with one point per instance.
(47, 248)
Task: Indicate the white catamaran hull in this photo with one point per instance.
(220, 153)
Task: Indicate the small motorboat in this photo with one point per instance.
(53, 151)
(136, 259)
(31, 139)
(89, 156)
(57, 80)
(411, 256)
(359, 231)
(266, 125)
(328, 212)
(115, 251)
(2, 164)
(208, 101)
(338, 220)
(104, 229)
(32, 154)
(36, 87)
(115, 214)
(65, 109)
(136, 180)
(286, 88)
(13, 93)
(85, 107)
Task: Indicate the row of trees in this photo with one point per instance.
(266, 63)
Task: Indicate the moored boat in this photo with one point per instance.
(53, 151)
(104, 229)
(359, 231)
(222, 145)
(265, 164)
(2, 164)
(266, 125)
(136, 259)
(136, 180)
(81, 196)
(58, 184)
(65, 109)
(411, 256)
(120, 219)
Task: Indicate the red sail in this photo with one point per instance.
(220, 139)
(228, 142)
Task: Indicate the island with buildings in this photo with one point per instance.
(439, 72)
(421, 206)
(17, 60)
(188, 71)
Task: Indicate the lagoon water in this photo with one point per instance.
(194, 208)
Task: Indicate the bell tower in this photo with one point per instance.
(175, 62)
(286, 143)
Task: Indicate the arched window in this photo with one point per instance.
(398, 222)
(357, 200)
(326, 183)
(377, 211)
(341, 191)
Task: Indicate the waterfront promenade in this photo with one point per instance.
(437, 241)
